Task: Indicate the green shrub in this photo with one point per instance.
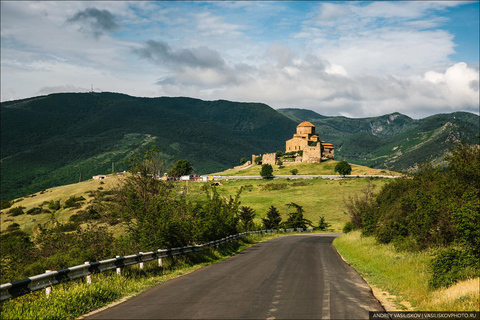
(54, 205)
(5, 204)
(13, 227)
(446, 268)
(275, 186)
(348, 227)
(16, 211)
(294, 172)
(73, 202)
(35, 210)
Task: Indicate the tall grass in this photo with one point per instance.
(405, 275)
(76, 298)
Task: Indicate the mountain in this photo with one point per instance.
(393, 141)
(63, 138)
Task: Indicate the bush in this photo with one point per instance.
(54, 205)
(35, 210)
(73, 202)
(348, 227)
(446, 268)
(274, 186)
(16, 211)
(294, 172)
(85, 215)
(13, 227)
(5, 204)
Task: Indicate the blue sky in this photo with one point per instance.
(350, 58)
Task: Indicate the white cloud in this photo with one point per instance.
(353, 58)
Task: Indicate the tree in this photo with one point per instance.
(296, 219)
(246, 216)
(153, 213)
(279, 153)
(280, 162)
(243, 160)
(258, 160)
(343, 168)
(180, 168)
(322, 224)
(273, 219)
(294, 171)
(267, 171)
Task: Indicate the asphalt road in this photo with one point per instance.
(290, 277)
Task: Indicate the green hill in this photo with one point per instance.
(392, 141)
(63, 138)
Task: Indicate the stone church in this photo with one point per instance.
(314, 149)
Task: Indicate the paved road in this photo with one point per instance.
(290, 277)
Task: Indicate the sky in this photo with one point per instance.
(352, 58)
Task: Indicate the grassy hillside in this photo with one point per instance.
(63, 138)
(323, 168)
(319, 197)
(392, 141)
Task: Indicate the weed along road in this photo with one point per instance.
(290, 277)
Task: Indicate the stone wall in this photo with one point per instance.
(312, 154)
(269, 158)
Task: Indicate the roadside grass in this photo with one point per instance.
(76, 298)
(323, 168)
(405, 275)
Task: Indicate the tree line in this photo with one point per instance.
(436, 209)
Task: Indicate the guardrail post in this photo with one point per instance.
(119, 270)
(89, 277)
(160, 263)
(141, 263)
(48, 290)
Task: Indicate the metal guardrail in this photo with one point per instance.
(21, 287)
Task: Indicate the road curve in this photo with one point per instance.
(290, 277)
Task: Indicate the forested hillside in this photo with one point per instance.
(63, 138)
(392, 141)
